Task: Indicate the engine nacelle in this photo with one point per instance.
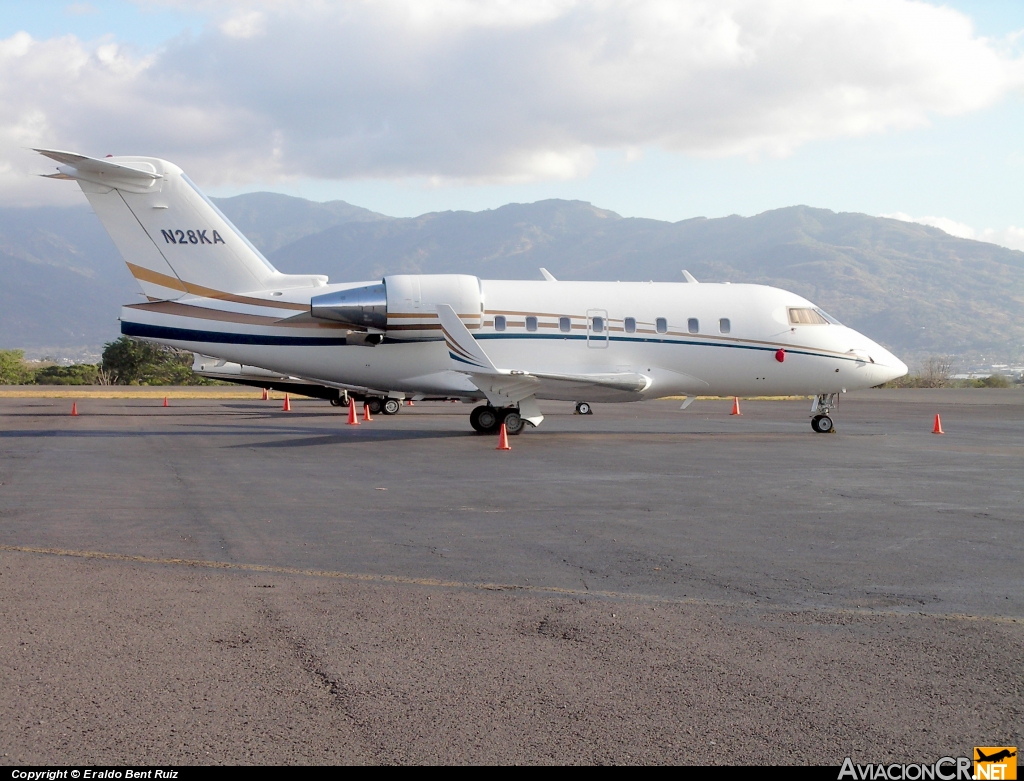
(403, 306)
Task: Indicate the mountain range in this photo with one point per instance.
(915, 289)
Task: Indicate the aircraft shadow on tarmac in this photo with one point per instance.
(313, 436)
(357, 437)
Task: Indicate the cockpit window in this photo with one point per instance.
(805, 316)
(827, 316)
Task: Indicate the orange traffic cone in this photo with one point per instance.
(938, 426)
(74, 409)
(503, 439)
(408, 403)
(352, 419)
(266, 395)
(165, 402)
(287, 403)
(735, 406)
(366, 412)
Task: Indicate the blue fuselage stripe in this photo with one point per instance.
(686, 342)
(148, 331)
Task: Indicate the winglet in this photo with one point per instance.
(548, 275)
(689, 277)
(462, 347)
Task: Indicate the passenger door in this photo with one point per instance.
(597, 328)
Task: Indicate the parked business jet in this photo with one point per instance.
(504, 343)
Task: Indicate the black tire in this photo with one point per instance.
(822, 424)
(485, 419)
(375, 405)
(341, 401)
(513, 423)
(391, 406)
(584, 408)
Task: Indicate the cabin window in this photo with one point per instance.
(499, 323)
(597, 325)
(564, 324)
(661, 325)
(724, 325)
(630, 325)
(531, 324)
(805, 316)
(693, 325)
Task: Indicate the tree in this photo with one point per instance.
(130, 361)
(76, 374)
(13, 369)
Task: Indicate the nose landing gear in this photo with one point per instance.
(584, 408)
(821, 421)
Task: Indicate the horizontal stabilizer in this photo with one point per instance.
(93, 165)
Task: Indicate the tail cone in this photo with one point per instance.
(503, 439)
(352, 419)
(366, 412)
(735, 406)
(937, 429)
(287, 403)
(74, 409)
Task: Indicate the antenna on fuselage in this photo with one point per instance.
(689, 277)
(548, 275)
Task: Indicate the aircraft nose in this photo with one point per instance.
(887, 365)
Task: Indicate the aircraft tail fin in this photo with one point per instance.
(174, 239)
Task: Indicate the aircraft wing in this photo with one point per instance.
(504, 387)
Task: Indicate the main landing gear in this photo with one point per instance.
(379, 406)
(821, 421)
(486, 419)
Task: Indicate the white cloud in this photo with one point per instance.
(493, 91)
(81, 9)
(952, 227)
(244, 24)
(1011, 237)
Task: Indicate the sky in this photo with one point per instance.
(668, 109)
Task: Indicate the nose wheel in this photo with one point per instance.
(584, 408)
(821, 422)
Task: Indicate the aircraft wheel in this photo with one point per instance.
(513, 423)
(822, 424)
(484, 419)
(584, 408)
(375, 405)
(391, 406)
(341, 401)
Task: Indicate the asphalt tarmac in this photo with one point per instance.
(222, 581)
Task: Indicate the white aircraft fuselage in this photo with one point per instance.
(508, 341)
